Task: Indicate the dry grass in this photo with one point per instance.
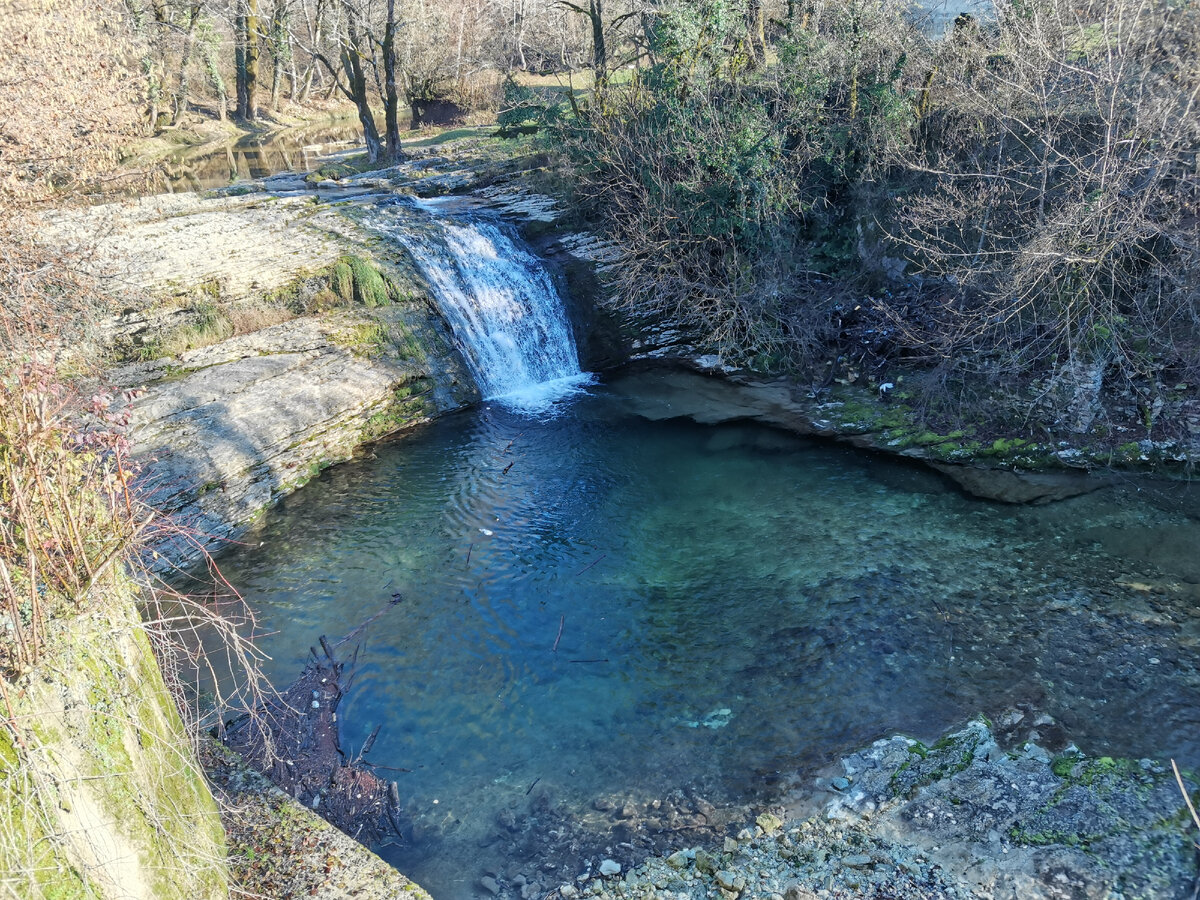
(247, 320)
(77, 539)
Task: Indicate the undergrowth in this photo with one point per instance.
(77, 541)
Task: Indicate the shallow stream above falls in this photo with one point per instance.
(601, 611)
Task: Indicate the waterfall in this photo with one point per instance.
(500, 302)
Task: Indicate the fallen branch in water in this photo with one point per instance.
(562, 620)
(1187, 798)
(293, 740)
(589, 565)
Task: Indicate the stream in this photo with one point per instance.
(599, 609)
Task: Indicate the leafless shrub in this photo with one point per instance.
(68, 97)
(1058, 190)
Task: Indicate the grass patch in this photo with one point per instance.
(363, 339)
(210, 324)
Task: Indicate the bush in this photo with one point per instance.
(1055, 189)
(726, 180)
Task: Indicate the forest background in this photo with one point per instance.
(1004, 203)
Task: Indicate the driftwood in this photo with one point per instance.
(293, 740)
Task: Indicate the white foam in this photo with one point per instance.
(548, 399)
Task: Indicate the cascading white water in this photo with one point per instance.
(502, 305)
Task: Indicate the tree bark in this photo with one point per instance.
(181, 95)
(239, 63)
(756, 32)
(599, 51)
(249, 112)
(390, 99)
(352, 64)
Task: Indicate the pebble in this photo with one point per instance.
(610, 867)
(769, 823)
(858, 860)
(678, 860)
(490, 884)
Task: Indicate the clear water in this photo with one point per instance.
(737, 607)
(217, 164)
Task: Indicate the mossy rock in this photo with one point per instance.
(370, 288)
(341, 281)
(104, 762)
(949, 756)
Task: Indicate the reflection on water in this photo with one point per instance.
(736, 605)
(258, 156)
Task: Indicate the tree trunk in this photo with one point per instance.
(212, 68)
(281, 50)
(352, 64)
(316, 32)
(239, 63)
(599, 51)
(390, 99)
(307, 85)
(250, 111)
(756, 32)
(181, 95)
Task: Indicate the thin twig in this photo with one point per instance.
(1186, 797)
(589, 565)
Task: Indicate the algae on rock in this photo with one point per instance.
(100, 792)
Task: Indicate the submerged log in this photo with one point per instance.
(293, 740)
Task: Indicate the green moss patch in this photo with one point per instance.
(409, 404)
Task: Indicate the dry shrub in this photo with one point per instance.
(1056, 191)
(70, 511)
(70, 97)
(246, 320)
(67, 514)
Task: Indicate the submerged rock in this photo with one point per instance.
(1011, 486)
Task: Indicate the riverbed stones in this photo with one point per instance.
(725, 879)
(769, 823)
(970, 820)
(609, 868)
